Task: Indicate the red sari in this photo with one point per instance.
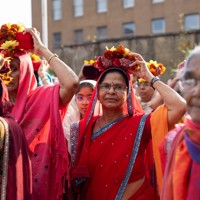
(106, 161)
(109, 160)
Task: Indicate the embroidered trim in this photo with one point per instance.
(132, 158)
(5, 161)
(74, 134)
(105, 128)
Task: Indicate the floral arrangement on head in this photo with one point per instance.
(155, 68)
(12, 38)
(115, 57)
(8, 36)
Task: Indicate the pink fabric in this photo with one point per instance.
(38, 113)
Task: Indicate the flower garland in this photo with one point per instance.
(8, 36)
(89, 62)
(115, 57)
(155, 68)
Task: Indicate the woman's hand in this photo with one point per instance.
(37, 43)
(43, 68)
(143, 71)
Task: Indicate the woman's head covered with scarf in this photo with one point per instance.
(117, 61)
(21, 63)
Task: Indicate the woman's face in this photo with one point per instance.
(145, 91)
(191, 88)
(83, 99)
(13, 85)
(113, 91)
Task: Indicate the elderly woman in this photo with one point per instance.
(182, 172)
(39, 111)
(108, 150)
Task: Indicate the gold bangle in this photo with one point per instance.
(53, 56)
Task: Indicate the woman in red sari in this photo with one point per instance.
(108, 150)
(39, 111)
(15, 164)
(181, 146)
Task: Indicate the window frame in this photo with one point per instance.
(57, 9)
(128, 4)
(153, 30)
(103, 29)
(78, 8)
(197, 23)
(77, 40)
(124, 34)
(100, 8)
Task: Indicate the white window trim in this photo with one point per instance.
(127, 4)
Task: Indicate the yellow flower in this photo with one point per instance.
(89, 62)
(34, 57)
(141, 80)
(9, 45)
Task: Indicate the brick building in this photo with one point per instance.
(154, 28)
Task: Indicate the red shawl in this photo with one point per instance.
(38, 112)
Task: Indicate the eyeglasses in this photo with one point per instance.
(144, 84)
(81, 99)
(117, 87)
(189, 82)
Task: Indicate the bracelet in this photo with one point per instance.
(53, 56)
(153, 80)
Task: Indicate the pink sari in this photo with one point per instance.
(38, 112)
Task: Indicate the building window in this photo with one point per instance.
(101, 32)
(78, 36)
(192, 22)
(57, 40)
(57, 9)
(78, 8)
(128, 29)
(158, 26)
(157, 1)
(128, 3)
(101, 6)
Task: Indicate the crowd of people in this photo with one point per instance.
(124, 135)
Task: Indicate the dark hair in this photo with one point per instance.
(83, 85)
(120, 71)
(4, 100)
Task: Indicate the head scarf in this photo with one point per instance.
(27, 83)
(4, 100)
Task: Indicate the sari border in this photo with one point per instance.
(74, 135)
(5, 160)
(132, 158)
(105, 128)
